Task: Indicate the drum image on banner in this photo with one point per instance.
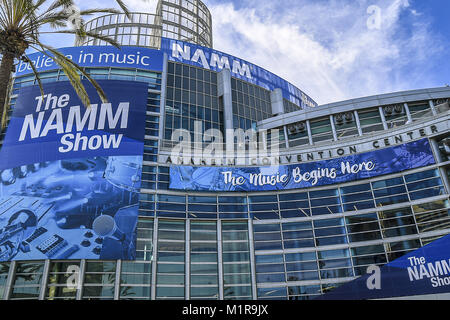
(70, 176)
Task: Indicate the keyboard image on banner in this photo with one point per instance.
(70, 209)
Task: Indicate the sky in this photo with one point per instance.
(333, 50)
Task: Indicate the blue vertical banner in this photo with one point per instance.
(70, 175)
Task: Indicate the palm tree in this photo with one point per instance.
(21, 24)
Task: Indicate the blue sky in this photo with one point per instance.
(326, 47)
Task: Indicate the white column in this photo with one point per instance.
(117, 282)
(187, 263)
(224, 92)
(155, 258)
(333, 128)
(81, 279)
(252, 258)
(219, 258)
(383, 118)
(44, 280)
(308, 127)
(358, 124)
(10, 280)
(276, 100)
(433, 108)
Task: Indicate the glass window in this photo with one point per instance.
(345, 125)
(395, 115)
(297, 234)
(328, 223)
(270, 277)
(266, 227)
(271, 293)
(389, 191)
(99, 280)
(236, 261)
(26, 284)
(323, 232)
(360, 220)
(387, 183)
(204, 268)
(307, 225)
(268, 245)
(171, 251)
(321, 130)
(333, 254)
(370, 120)
(62, 280)
(301, 266)
(4, 270)
(293, 196)
(355, 189)
(420, 111)
(303, 292)
(327, 241)
(421, 175)
(278, 258)
(299, 243)
(305, 256)
(303, 276)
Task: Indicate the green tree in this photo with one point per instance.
(22, 22)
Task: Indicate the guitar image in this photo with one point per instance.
(19, 225)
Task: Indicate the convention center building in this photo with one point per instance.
(312, 198)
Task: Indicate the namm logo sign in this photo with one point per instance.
(209, 60)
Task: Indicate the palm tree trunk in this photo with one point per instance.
(6, 69)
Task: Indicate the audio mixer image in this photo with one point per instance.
(70, 209)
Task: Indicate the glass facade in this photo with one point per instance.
(186, 20)
(191, 100)
(212, 259)
(281, 245)
(250, 104)
(140, 29)
(290, 107)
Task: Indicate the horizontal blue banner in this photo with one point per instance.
(98, 56)
(356, 167)
(179, 51)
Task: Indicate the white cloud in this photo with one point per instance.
(326, 48)
(147, 6)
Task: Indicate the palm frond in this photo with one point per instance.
(90, 12)
(78, 70)
(82, 35)
(25, 58)
(124, 8)
(69, 70)
(21, 25)
(57, 4)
